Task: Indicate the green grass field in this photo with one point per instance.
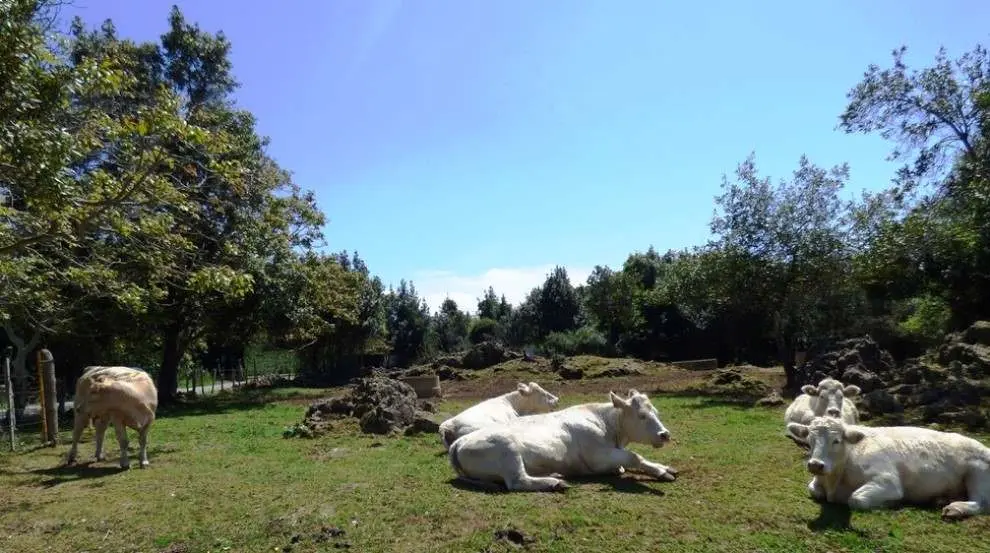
(222, 478)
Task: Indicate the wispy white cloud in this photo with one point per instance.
(513, 282)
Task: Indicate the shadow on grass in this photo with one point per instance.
(613, 483)
(227, 402)
(82, 471)
(834, 517)
(739, 403)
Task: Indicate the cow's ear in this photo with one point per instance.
(798, 429)
(633, 392)
(809, 389)
(523, 388)
(853, 436)
(617, 401)
(851, 390)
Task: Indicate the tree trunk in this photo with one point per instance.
(19, 373)
(168, 376)
(785, 354)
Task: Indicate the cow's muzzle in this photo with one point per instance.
(815, 466)
(662, 438)
(832, 412)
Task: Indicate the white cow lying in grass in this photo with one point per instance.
(534, 453)
(526, 399)
(828, 399)
(123, 396)
(875, 467)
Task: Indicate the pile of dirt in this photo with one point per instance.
(859, 361)
(382, 405)
(730, 382)
(487, 354)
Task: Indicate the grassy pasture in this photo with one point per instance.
(222, 478)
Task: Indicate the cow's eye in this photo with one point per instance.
(642, 416)
(836, 441)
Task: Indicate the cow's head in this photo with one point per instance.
(534, 399)
(829, 394)
(639, 420)
(827, 438)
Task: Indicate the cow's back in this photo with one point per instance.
(928, 463)
(114, 391)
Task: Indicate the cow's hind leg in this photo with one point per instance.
(978, 492)
(516, 478)
(100, 430)
(121, 430)
(79, 425)
(876, 494)
(143, 441)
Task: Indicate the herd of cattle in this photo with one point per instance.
(522, 441)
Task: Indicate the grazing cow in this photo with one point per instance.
(876, 467)
(526, 399)
(535, 453)
(828, 399)
(123, 396)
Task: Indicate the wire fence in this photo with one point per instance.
(25, 426)
(22, 420)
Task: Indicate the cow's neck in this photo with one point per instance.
(514, 399)
(611, 418)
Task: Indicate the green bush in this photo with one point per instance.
(582, 341)
(482, 330)
(926, 319)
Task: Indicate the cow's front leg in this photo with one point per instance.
(617, 460)
(816, 490)
(121, 430)
(875, 494)
(100, 429)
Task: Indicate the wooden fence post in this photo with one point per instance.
(10, 397)
(49, 405)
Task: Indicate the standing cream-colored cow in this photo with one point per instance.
(874, 467)
(829, 399)
(123, 396)
(534, 453)
(526, 399)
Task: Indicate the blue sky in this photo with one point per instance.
(467, 143)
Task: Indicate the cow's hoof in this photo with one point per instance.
(560, 486)
(673, 471)
(125, 466)
(144, 464)
(951, 512)
(668, 476)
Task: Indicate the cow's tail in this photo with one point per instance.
(455, 462)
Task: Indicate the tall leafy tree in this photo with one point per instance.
(557, 303)
(790, 238)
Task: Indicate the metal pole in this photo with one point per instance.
(10, 396)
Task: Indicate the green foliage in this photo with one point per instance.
(927, 319)
(580, 341)
(557, 303)
(482, 330)
(450, 327)
(408, 324)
